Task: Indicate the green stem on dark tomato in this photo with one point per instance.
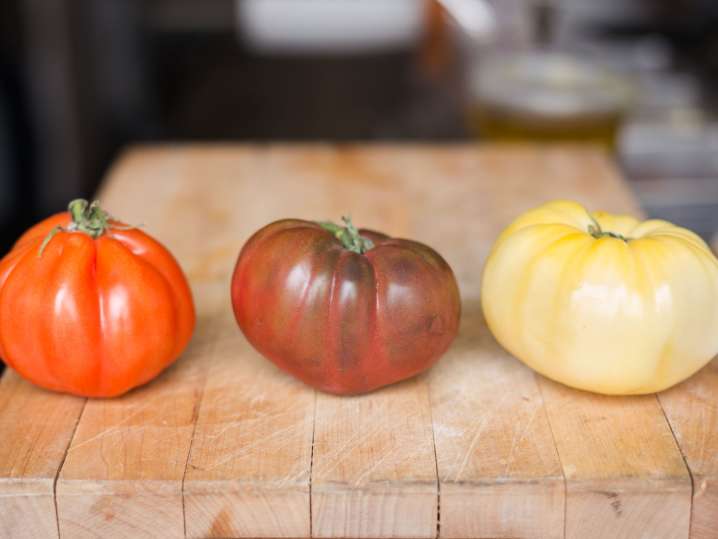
(348, 235)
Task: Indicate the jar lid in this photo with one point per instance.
(548, 84)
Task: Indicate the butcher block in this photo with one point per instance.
(223, 444)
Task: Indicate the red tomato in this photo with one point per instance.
(93, 308)
(345, 311)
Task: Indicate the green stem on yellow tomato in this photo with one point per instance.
(348, 235)
(597, 232)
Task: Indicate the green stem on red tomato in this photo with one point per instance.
(86, 217)
(348, 235)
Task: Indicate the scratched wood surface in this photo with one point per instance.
(225, 445)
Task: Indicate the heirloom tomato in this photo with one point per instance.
(91, 307)
(603, 302)
(344, 310)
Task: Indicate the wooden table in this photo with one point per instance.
(225, 445)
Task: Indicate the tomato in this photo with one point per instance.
(343, 310)
(91, 307)
(603, 302)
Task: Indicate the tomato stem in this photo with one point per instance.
(348, 235)
(86, 217)
(597, 232)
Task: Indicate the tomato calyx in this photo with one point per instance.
(348, 235)
(87, 217)
(597, 232)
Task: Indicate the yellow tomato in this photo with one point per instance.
(603, 302)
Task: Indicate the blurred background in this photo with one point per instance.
(80, 79)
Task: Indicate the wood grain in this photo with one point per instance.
(35, 429)
(625, 476)
(374, 473)
(692, 410)
(39, 426)
(250, 410)
(248, 474)
(268, 413)
(224, 444)
(624, 473)
(495, 452)
(494, 447)
(122, 476)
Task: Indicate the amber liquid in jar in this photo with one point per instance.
(501, 124)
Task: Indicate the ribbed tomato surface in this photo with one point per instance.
(92, 317)
(341, 321)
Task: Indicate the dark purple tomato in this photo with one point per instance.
(344, 310)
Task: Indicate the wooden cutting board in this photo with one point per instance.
(225, 445)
